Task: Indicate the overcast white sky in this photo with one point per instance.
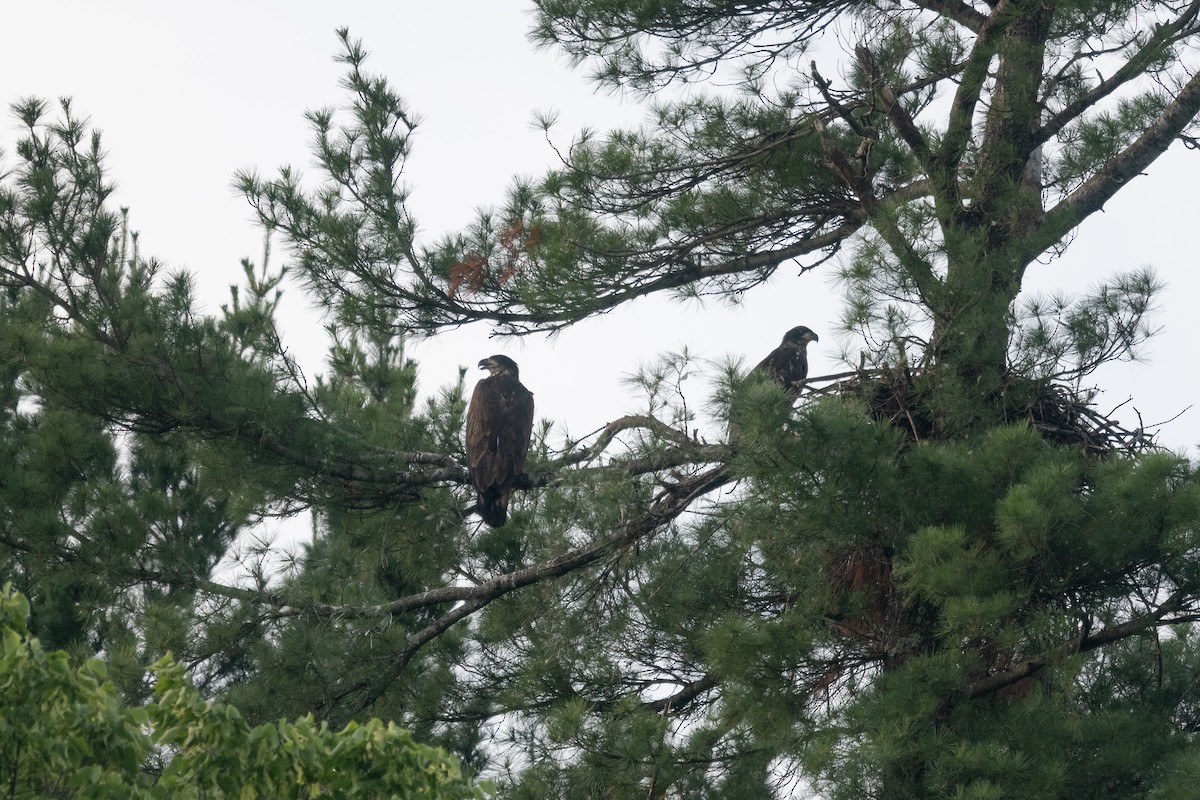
(188, 94)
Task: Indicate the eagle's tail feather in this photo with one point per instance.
(493, 507)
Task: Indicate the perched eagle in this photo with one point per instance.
(787, 364)
(499, 423)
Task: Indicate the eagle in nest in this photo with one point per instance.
(787, 364)
(499, 423)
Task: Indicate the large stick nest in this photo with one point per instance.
(875, 621)
(1061, 413)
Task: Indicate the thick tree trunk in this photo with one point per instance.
(984, 237)
(970, 338)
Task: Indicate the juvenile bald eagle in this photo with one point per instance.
(787, 364)
(499, 423)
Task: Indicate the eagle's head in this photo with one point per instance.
(500, 365)
(800, 335)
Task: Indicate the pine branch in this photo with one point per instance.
(687, 693)
(956, 11)
(1085, 643)
(1134, 67)
(678, 269)
(1091, 196)
(672, 500)
(893, 109)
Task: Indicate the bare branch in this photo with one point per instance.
(893, 109)
(957, 11)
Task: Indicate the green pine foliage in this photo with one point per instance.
(945, 576)
(65, 733)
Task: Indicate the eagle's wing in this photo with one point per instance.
(786, 365)
(522, 427)
(480, 440)
(499, 424)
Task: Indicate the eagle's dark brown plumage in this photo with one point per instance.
(787, 364)
(499, 423)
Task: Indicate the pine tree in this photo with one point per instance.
(63, 733)
(944, 575)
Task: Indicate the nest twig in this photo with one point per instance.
(1058, 411)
